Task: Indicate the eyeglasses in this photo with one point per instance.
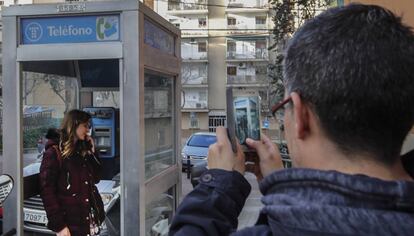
(277, 110)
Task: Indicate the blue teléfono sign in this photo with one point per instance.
(70, 29)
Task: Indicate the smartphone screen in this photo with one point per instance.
(243, 113)
(246, 114)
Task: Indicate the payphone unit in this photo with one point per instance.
(105, 132)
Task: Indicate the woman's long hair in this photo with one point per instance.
(68, 137)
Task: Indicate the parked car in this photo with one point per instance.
(195, 149)
(6, 185)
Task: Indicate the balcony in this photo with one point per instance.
(194, 75)
(259, 80)
(247, 6)
(194, 50)
(247, 29)
(194, 100)
(257, 54)
(192, 27)
(194, 56)
(187, 7)
(194, 81)
(246, 24)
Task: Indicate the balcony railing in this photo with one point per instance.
(245, 27)
(194, 80)
(247, 3)
(195, 105)
(261, 26)
(193, 5)
(193, 55)
(257, 54)
(247, 79)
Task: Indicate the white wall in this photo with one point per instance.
(189, 50)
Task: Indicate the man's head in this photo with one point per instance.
(353, 67)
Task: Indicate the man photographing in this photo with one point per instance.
(349, 104)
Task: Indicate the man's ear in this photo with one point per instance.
(300, 116)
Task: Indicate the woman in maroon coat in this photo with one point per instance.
(68, 174)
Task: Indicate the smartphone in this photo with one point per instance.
(243, 116)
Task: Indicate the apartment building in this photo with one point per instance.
(224, 44)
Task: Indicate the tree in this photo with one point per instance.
(104, 96)
(30, 85)
(289, 15)
(61, 86)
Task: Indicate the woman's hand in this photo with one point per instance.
(269, 156)
(90, 140)
(64, 232)
(221, 156)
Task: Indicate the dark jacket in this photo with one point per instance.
(68, 190)
(299, 202)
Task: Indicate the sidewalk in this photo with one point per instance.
(251, 209)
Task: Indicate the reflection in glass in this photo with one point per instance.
(45, 98)
(159, 130)
(157, 37)
(158, 214)
(106, 99)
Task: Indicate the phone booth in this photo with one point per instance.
(95, 55)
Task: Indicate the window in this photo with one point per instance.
(194, 123)
(159, 211)
(159, 125)
(260, 20)
(193, 120)
(202, 22)
(231, 46)
(202, 47)
(106, 98)
(202, 70)
(260, 44)
(261, 70)
(215, 121)
(203, 96)
(231, 70)
(231, 21)
(161, 137)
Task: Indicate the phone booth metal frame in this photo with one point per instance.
(136, 56)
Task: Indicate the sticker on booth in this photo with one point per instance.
(80, 29)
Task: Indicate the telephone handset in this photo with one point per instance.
(85, 145)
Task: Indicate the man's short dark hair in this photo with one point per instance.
(354, 66)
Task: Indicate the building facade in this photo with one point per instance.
(224, 44)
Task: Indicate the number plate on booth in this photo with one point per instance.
(35, 216)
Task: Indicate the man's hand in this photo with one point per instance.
(221, 156)
(64, 232)
(269, 156)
